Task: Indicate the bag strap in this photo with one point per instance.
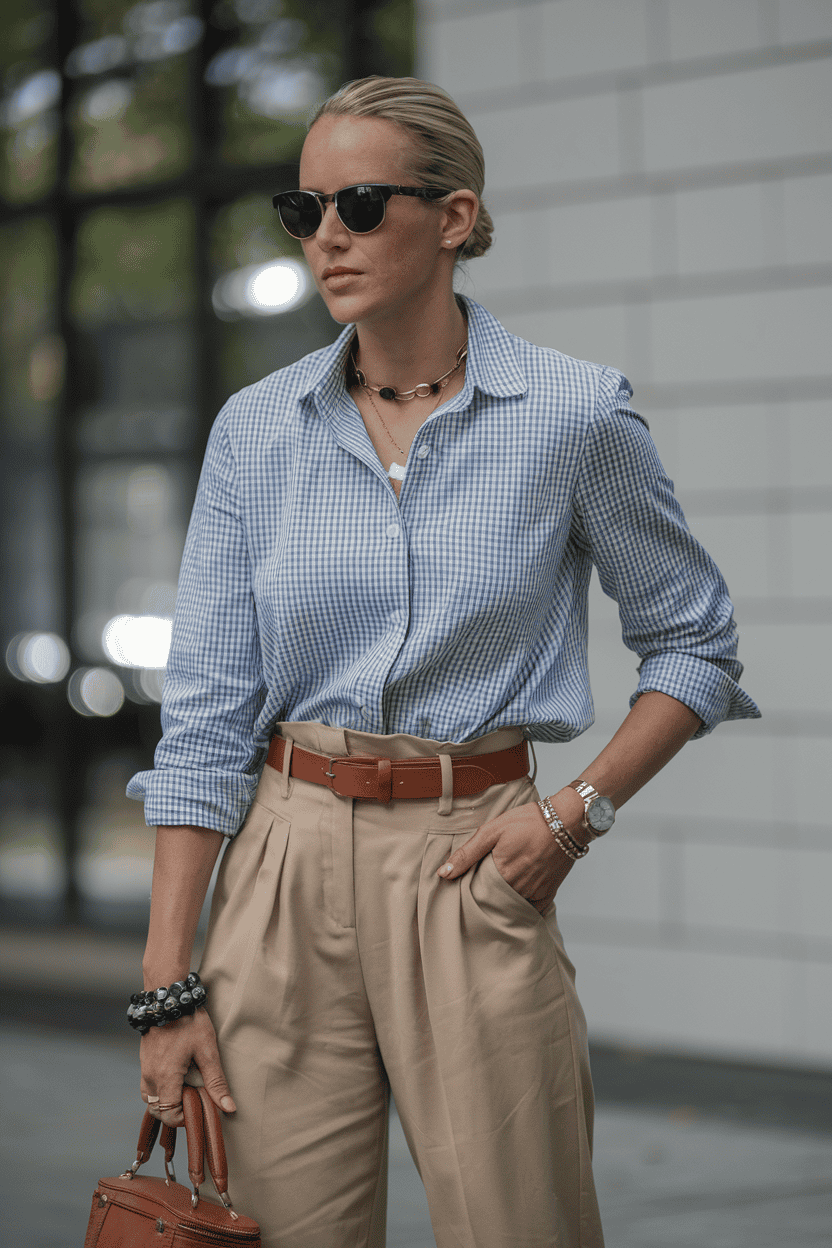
(214, 1143)
(147, 1138)
(192, 1111)
(203, 1132)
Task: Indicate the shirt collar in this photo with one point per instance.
(492, 366)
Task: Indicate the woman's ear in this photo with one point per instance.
(459, 216)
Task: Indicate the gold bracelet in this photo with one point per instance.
(567, 843)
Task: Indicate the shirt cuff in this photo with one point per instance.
(705, 687)
(203, 799)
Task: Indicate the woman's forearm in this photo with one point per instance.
(182, 866)
(656, 728)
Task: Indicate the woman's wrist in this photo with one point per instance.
(569, 808)
(165, 968)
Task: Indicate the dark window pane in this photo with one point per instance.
(138, 390)
(131, 519)
(134, 264)
(31, 91)
(31, 548)
(31, 354)
(129, 108)
(277, 59)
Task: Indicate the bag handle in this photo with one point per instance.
(148, 1132)
(203, 1132)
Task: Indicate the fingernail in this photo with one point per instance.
(228, 1105)
(447, 869)
(153, 1100)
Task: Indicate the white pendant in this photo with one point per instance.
(396, 472)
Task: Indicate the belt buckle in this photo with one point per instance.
(331, 761)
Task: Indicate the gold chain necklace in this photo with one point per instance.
(423, 391)
(400, 449)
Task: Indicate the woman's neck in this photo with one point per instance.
(404, 355)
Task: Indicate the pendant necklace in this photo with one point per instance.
(396, 471)
(423, 391)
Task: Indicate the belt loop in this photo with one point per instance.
(385, 780)
(446, 801)
(534, 757)
(286, 786)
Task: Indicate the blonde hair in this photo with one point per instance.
(447, 151)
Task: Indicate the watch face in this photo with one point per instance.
(601, 815)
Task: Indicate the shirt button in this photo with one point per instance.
(393, 530)
(367, 714)
(423, 451)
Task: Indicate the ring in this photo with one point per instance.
(163, 1109)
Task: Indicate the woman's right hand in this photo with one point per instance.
(168, 1052)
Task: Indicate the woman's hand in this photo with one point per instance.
(166, 1055)
(524, 851)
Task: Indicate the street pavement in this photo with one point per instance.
(667, 1178)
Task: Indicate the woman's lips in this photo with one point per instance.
(335, 278)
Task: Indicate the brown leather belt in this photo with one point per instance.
(384, 779)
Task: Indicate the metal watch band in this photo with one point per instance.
(590, 795)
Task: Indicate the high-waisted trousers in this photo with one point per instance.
(340, 967)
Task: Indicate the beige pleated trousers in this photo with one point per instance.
(340, 966)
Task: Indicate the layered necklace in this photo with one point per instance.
(424, 390)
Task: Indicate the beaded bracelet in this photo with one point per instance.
(572, 848)
(158, 1006)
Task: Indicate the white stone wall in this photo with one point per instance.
(659, 173)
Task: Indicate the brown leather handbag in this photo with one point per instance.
(145, 1212)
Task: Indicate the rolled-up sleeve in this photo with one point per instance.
(208, 762)
(672, 600)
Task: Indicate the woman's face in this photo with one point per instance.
(371, 277)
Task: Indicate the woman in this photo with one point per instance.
(383, 594)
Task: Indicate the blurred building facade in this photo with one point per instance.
(145, 278)
(660, 177)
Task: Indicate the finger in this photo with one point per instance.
(475, 848)
(169, 1108)
(217, 1085)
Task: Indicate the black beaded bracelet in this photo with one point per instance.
(158, 1006)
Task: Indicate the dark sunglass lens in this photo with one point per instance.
(361, 208)
(299, 211)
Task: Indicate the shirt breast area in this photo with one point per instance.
(479, 531)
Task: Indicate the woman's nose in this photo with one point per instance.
(332, 232)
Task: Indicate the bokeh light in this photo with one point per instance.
(95, 691)
(42, 658)
(262, 289)
(137, 640)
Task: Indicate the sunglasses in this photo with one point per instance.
(360, 208)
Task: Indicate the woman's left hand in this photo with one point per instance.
(524, 851)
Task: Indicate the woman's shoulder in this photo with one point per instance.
(548, 375)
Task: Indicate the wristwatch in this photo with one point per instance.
(599, 812)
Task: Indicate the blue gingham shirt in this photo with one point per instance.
(309, 592)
